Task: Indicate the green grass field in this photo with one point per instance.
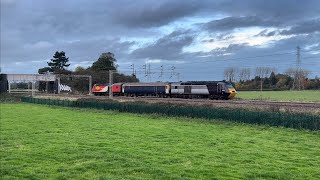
(41, 142)
(298, 96)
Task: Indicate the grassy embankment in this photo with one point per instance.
(297, 96)
(40, 142)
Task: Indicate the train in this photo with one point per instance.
(190, 89)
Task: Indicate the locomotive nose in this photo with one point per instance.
(232, 92)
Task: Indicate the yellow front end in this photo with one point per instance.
(232, 92)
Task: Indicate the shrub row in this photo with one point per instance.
(289, 120)
(9, 98)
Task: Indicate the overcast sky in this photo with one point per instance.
(198, 38)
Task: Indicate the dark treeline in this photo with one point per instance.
(266, 78)
(278, 82)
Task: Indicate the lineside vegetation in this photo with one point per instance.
(272, 118)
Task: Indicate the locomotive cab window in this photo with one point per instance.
(229, 86)
(176, 87)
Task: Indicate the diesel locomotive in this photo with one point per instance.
(189, 89)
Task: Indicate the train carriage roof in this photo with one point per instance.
(145, 84)
(200, 82)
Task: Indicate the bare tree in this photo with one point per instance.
(290, 72)
(247, 73)
(259, 72)
(244, 74)
(298, 76)
(303, 74)
(266, 72)
(262, 72)
(227, 74)
(241, 74)
(230, 74)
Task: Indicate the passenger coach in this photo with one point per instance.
(189, 89)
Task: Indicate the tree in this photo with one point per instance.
(105, 62)
(273, 79)
(244, 74)
(59, 62)
(44, 70)
(57, 65)
(298, 75)
(80, 69)
(230, 73)
(241, 75)
(247, 73)
(262, 72)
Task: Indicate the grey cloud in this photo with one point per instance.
(91, 49)
(281, 46)
(284, 11)
(272, 33)
(168, 47)
(208, 40)
(232, 48)
(231, 23)
(77, 51)
(225, 36)
(32, 31)
(219, 37)
(77, 16)
(306, 27)
(44, 20)
(243, 55)
(224, 51)
(154, 13)
(268, 33)
(303, 28)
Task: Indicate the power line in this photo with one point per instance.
(309, 50)
(249, 57)
(241, 58)
(147, 69)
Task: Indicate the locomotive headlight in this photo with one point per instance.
(232, 92)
